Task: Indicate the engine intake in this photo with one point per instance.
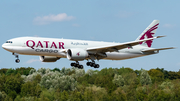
(77, 54)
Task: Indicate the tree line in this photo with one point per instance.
(108, 84)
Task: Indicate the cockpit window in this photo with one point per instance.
(8, 41)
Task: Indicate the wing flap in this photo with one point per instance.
(116, 47)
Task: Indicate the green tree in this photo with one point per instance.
(166, 85)
(3, 70)
(12, 94)
(76, 96)
(141, 93)
(156, 75)
(173, 75)
(18, 98)
(123, 70)
(42, 70)
(67, 71)
(56, 69)
(95, 93)
(30, 89)
(165, 72)
(57, 80)
(130, 78)
(3, 78)
(32, 71)
(11, 84)
(90, 72)
(130, 91)
(176, 89)
(145, 78)
(118, 80)
(104, 79)
(118, 95)
(23, 70)
(177, 93)
(48, 95)
(160, 95)
(106, 82)
(3, 96)
(10, 71)
(79, 73)
(64, 96)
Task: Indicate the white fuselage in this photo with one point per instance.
(57, 47)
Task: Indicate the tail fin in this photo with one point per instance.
(149, 32)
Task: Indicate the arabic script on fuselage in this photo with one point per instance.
(79, 43)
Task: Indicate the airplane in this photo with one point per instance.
(52, 49)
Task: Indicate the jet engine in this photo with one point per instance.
(49, 58)
(77, 54)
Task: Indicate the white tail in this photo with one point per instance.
(149, 32)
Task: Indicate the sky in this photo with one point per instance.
(95, 20)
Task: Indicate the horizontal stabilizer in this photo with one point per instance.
(152, 50)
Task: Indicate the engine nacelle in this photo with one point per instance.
(49, 58)
(77, 54)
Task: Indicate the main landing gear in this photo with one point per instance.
(17, 56)
(92, 64)
(77, 65)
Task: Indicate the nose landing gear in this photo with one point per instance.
(16, 56)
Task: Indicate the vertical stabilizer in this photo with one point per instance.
(149, 32)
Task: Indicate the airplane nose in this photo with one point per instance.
(6, 47)
(3, 46)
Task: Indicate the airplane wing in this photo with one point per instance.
(116, 47)
(152, 50)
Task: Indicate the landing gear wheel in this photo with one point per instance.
(73, 64)
(96, 66)
(76, 65)
(88, 63)
(92, 64)
(17, 60)
(80, 67)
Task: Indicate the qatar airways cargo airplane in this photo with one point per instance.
(52, 49)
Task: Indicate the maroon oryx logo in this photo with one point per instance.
(78, 54)
(149, 34)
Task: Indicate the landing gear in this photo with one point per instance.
(16, 56)
(92, 64)
(77, 65)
